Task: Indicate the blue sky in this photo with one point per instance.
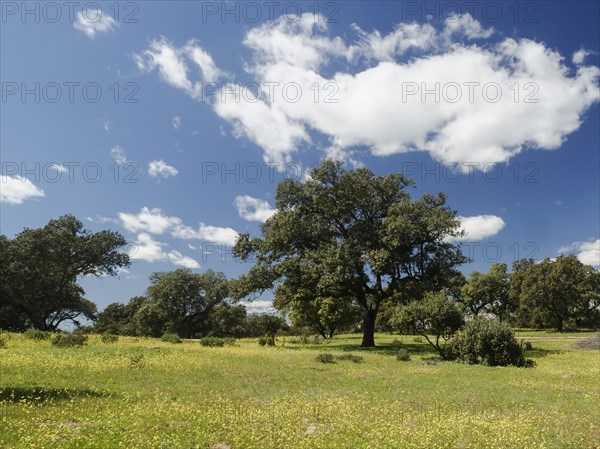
(172, 122)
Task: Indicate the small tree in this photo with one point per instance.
(435, 315)
(553, 293)
(489, 292)
(489, 342)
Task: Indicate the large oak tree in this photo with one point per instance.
(40, 268)
(361, 234)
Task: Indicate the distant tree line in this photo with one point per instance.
(345, 250)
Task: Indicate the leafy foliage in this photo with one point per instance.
(185, 299)
(40, 268)
(212, 341)
(434, 315)
(351, 236)
(489, 292)
(109, 338)
(170, 337)
(325, 358)
(557, 293)
(37, 334)
(403, 355)
(489, 342)
(64, 340)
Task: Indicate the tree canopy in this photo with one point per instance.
(353, 235)
(40, 268)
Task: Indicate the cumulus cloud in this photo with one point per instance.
(149, 250)
(91, 21)
(579, 56)
(446, 90)
(258, 306)
(176, 122)
(587, 252)
(148, 220)
(154, 221)
(172, 64)
(253, 209)
(118, 154)
(480, 227)
(207, 233)
(162, 169)
(16, 189)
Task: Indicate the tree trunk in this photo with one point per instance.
(368, 340)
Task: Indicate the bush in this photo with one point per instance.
(69, 340)
(36, 334)
(269, 341)
(591, 342)
(109, 338)
(170, 337)
(229, 341)
(3, 340)
(316, 340)
(488, 342)
(351, 357)
(417, 339)
(528, 345)
(403, 355)
(325, 358)
(212, 342)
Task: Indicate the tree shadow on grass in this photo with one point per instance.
(390, 348)
(539, 352)
(41, 394)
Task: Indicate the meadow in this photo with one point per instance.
(145, 393)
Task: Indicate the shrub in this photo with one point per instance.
(262, 341)
(3, 340)
(212, 341)
(270, 341)
(170, 337)
(591, 342)
(316, 340)
(229, 341)
(417, 339)
(36, 334)
(351, 357)
(109, 338)
(528, 345)
(69, 340)
(325, 358)
(403, 355)
(488, 342)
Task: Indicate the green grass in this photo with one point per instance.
(246, 396)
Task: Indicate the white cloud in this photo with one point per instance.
(91, 21)
(153, 221)
(258, 306)
(207, 233)
(465, 24)
(148, 220)
(176, 122)
(118, 154)
(172, 64)
(587, 252)
(59, 168)
(253, 209)
(162, 169)
(149, 250)
(479, 227)
(579, 56)
(373, 106)
(16, 189)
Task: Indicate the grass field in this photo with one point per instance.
(124, 395)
